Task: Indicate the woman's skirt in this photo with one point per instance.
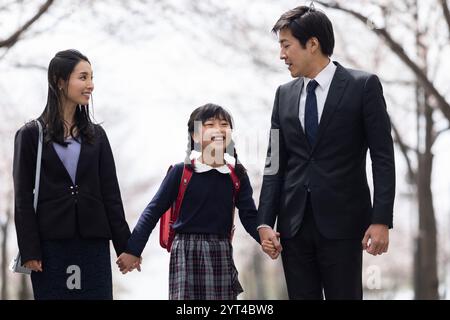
(74, 269)
(202, 268)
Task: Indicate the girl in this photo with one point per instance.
(201, 261)
(66, 242)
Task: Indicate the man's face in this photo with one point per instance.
(294, 55)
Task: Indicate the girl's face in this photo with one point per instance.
(215, 134)
(78, 89)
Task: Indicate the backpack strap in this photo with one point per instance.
(236, 189)
(185, 178)
(236, 182)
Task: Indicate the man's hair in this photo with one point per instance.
(306, 22)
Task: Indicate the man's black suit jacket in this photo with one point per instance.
(92, 204)
(333, 171)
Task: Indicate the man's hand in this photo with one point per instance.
(35, 265)
(269, 248)
(378, 234)
(270, 243)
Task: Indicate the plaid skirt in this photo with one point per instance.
(202, 268)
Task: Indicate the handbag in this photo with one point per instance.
(16, 263)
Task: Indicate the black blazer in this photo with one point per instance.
(92, 205)
(333, 171)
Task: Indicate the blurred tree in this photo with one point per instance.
(17, 34)
(5, 168)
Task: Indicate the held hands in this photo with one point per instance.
(270, 243)
(378, 234)
(127, 263)
(269, 248)
(35, 265)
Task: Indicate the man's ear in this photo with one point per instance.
(313, 44)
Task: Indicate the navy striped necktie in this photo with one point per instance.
(311, 115)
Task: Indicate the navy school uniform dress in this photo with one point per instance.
(79, 210)
(201, 260)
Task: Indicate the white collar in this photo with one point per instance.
(325, 76)
(202, 167)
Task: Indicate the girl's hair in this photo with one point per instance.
(202, 114)
(60, 68)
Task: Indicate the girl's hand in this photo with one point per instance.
(269, 248)
(127, 263)
(268, 245)
(35, 265)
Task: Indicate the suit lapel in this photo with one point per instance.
(334, 96)
(55, 159)
(81, 158)
(294, 106)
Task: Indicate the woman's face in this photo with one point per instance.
(79, 87)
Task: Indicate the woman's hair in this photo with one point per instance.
(60, 68)
(202, 114)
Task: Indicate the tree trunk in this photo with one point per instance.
(426, 285)
(4, 250)
(426, 280)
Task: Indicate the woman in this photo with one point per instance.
(66, 242)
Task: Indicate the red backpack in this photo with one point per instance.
(166, 232)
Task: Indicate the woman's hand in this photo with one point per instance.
(35, 265)
(127, 262)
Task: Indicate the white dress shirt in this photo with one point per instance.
(324, 80)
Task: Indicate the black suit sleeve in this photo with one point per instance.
(112, 199)
(269, 201)
(378, 130)
(24, 166)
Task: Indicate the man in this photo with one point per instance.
(328, 117)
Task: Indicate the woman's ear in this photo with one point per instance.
(61, 85)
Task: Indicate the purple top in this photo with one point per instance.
(69, 155)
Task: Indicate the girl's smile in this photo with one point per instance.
(214, 137)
